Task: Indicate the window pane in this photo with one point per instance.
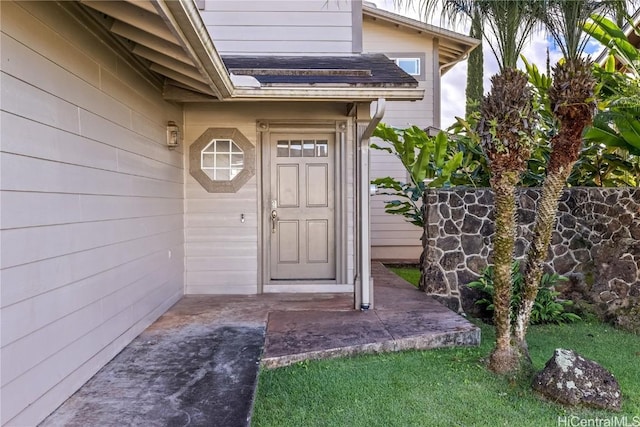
(210, 173)
(222, 175)
(409, 65)
(222, 160)
(296, 148)
(235, 172)
(207, 160)
(235, 148)
(308, 149)
(210, 148)
(322, 148)
(222, 146)
(283, 148)
(237, 160)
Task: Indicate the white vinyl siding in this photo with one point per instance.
(391, 236)
(289, 27)
(91, 207)
(222, 252)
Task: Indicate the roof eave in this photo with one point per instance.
(327, 94)
(184, 20)
(441, 33)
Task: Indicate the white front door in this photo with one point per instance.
(301, 208)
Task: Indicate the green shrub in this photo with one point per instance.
(547, 307)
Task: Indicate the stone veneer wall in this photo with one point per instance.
(596, 243)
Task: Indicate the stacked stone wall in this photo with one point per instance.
(595, 242)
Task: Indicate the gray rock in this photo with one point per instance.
(571, 379)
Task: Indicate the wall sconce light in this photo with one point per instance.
(173, 135)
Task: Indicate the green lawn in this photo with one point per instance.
(445, 387)
(410, 274)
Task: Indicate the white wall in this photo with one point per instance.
(221, 251)
(391, 236)
(293, 27)
(91, 207)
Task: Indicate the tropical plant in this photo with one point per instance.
(617, 125)
(572, 101)
(428, 162)
(547, 307)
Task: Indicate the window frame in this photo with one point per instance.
(196, 156)
(420, 56)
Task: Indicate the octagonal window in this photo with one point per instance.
(222, 160)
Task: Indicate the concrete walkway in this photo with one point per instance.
(198, 364)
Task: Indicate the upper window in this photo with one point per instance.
(410, 66)
(222, 160)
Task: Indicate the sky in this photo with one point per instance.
(453, 92)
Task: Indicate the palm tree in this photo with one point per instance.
(505, 129)
(573, 105)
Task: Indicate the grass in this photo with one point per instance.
(410, 274)
(443, 387)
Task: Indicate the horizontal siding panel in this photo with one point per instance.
(43, 39)
(221, 290)
(222, 206)
(221, 234)
(18, 209)
(21, 173)
(229, 219)
(25, 100)
(25, 137)
(412, 235)
(237, 263)
(282, 34)
(222, 278)
(275, 19)
(54, 329)
(30, 280)
(282, 47)
(230, 249)
(400, 226)
(25, 64)
(65, 42)
(24, 245)
(396, 242)
(135, 164)
(99, 129)
(195, 191)
(271, 5)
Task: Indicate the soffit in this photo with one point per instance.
(149, 30)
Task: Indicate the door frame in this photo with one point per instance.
(265, 129)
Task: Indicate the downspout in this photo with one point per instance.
(364, 202)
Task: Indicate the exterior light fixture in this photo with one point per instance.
(173, 135)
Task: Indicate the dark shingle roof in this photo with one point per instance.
(374, 70)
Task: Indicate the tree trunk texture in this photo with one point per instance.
(565, 152)
(504, 358)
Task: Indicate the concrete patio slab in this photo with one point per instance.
(198, 363)
(195, 376)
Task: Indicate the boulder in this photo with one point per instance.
(571, 379)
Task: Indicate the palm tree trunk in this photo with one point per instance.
(542, 229)
(504, 358)
(572, 98)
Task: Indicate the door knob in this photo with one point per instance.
(274, 215)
